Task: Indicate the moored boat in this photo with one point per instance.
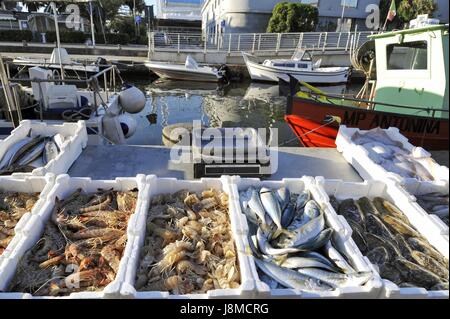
(300, 66)
(190, 71)
(411, 93)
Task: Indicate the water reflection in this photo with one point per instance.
(253, 105)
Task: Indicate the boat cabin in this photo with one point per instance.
(301, 61)
(412, 69)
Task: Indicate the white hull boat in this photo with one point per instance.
(190, 71)
(104, 109)
(300, 67)
(54, 63)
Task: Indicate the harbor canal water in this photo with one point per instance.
(254, 105)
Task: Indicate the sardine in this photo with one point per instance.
(290, 278)
(255, 204)
(338, 259)
(337, 280)
(288, 215)
(318, 242)
(271, 205)
(306, 233)
(303, 262)
(315, 255)
(283, 196)
(265, 247)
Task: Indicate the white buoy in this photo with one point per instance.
(132, 99)
(128, 124)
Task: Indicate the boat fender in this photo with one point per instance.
(132, 99)
(128, 124)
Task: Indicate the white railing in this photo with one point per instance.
(255, 42)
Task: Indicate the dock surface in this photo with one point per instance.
(109, 162)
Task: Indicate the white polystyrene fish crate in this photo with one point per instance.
(76, 139)
(158, 186)
(437, 224)
(33, 230)
(31, 184)
(359, 158)
(343, 243)
(398, 196)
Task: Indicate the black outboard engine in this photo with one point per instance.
(225, 71)
(101, 62)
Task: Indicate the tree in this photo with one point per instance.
(293, 17)
(410, 9)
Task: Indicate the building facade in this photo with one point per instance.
(250, 16)
(179, 9)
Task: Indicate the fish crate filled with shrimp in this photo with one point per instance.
(394, 237)
(77, 246)
(38, 148)
(189, 244)
(386, 154)
(298, 247)
(19, 199)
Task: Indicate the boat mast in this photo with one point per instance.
(58, 40)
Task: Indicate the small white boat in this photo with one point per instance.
(300, 66)
(54, 62)
(190, 71)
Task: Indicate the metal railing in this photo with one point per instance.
(255, 42)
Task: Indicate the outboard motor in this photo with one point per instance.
(101, 62)
(225, 71)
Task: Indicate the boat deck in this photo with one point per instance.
(109, 162)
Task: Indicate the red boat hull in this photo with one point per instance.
(304, 116)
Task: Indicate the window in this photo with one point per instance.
(302, 66)
(290, 65)
(349, 3)
(407, 56)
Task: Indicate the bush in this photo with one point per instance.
(67, 36)
(112, 38)
(293, 17)
(16, 35)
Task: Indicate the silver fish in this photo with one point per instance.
(25, 149)
(288, 215)
(32, 154)
(319, 257)
(271, 205)
(283, 196)
(290, 278)
(319, 241)
(302, 199)
(265, 247)
(6, 159)
(338, 259)
(306, 233)
(304, 262)
(337, 280)
(255, 204)
(51, 151)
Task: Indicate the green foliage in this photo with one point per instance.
(293, 17)
(113, 38)
(410, 9)
(126, 25)
(15, 35)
